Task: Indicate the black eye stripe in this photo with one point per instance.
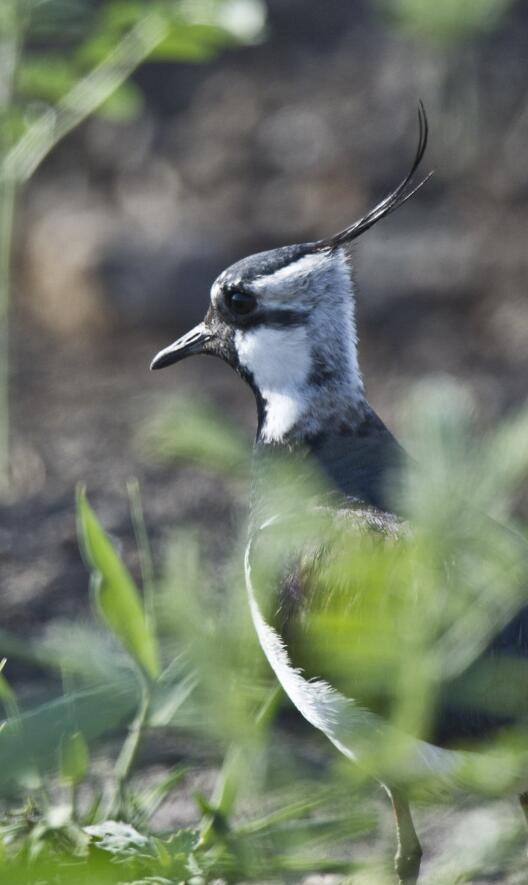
(276, 319)
(284, 317)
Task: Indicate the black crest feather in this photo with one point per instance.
(393, 201)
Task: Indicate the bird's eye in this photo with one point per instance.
(241, 303)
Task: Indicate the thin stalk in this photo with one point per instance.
(7, 211)
(145, 554)
(74, 800)
(10, 35)
(19, 162)
(127, 757)
(85, 97)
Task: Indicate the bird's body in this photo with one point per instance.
(285, 321)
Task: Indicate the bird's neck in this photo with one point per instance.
(327, 397)
(291, 417)
(293, 421)
(306, 379)
(353, 457)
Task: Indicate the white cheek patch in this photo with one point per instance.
(279, 360)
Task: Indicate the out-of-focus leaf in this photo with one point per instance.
(7, 695)
(196, 31)
(240, 20)
(46, 77)
(29, 744)
(13, 124)
(168, 700)
(116, 594)
(190, 43)
(122, 14)
(183, 430)
(74, 758)
(150, 800)
(123, 105)
(448, 20)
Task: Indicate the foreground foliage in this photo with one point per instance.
(176, 657)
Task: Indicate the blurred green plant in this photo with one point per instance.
(447, 21)
(62, 61)
(194, 432)
(396, 624)
(185, 665)
(422, 609)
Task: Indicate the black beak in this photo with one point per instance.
(192, 342)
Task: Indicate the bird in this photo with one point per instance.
(284, 320)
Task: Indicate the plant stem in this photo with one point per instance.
(19, 162)
(10, 18)
(128, 755)
(85, 97)
(7, 208)
(145, 554)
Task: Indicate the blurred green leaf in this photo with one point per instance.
(191, 43)
(74, 758)
(168, 699)
(47, 77)
(122, 14)
(150, 800)
(29, 743)
(7, 695)
(188, 431)
(116, 594)
(447, 20)
(123, 105)
(241, 20)
(196, 31)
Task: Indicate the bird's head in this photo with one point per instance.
(284, 320)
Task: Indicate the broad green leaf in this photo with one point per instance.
(74, 758)
(117, 597)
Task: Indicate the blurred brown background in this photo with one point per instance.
(125, 226)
